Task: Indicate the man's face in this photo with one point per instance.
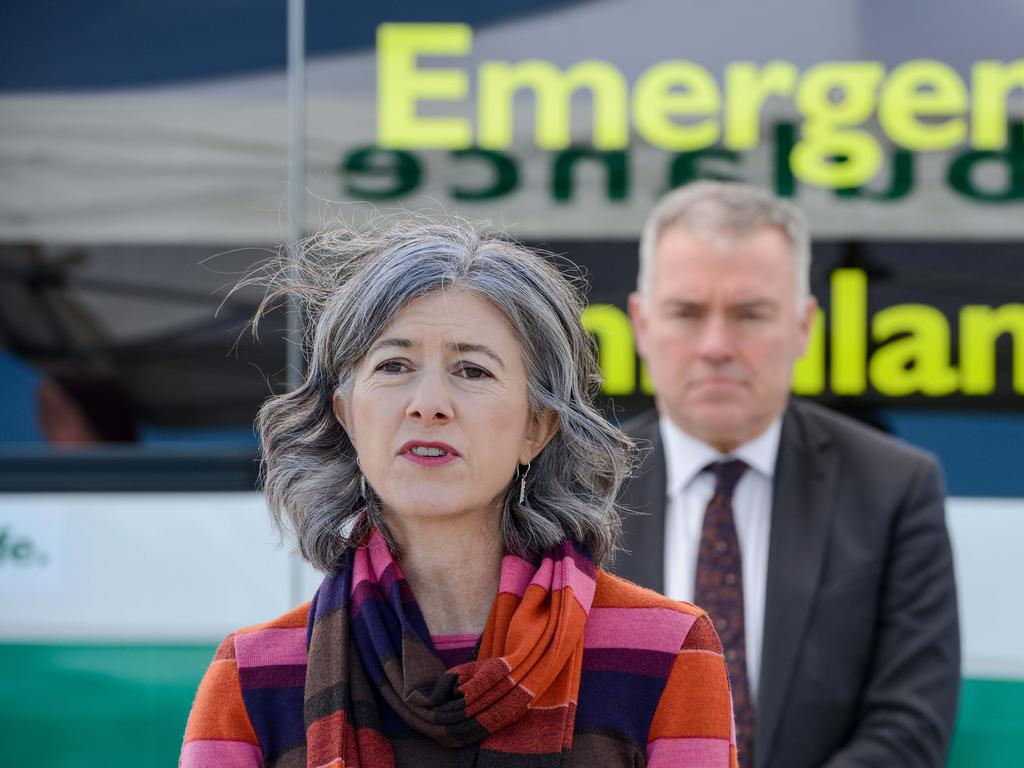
(720, 331)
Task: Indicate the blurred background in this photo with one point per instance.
(144, 153)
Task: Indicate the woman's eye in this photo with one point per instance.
(391, 366)
(469, 371)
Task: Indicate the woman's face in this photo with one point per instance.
(438, 413)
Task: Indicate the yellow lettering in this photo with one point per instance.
(923, 89)
(849, 318)
(615, 350)
(826, 155)
(917, 361)
(499, 82)
(980, 326)
(991, 83)
(746, 89)
(676, 89)
(401, 85)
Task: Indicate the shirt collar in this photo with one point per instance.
(686, 456)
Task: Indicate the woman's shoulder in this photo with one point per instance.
(626, 613)
(296, 617)
(280, 641)
(272, 654)
(615, 591)
(663, 657)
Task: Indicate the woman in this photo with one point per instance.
(444, 465)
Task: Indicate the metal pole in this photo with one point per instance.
(296, 168)
(296, 212)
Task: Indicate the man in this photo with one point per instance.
(817, 545)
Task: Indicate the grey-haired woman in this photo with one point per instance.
(444, 465)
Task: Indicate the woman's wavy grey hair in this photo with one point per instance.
(350, 285)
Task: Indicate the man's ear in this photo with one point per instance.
(807, 322)
(339, 405)
(542, 428)
(638, 316)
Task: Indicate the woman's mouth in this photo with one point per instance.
(429, 454)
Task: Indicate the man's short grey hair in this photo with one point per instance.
(351, 285)
(721, 212)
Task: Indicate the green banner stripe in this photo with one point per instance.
(126, 705)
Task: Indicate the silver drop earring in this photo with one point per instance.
(522, 483)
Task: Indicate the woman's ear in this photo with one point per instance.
(339, 405)
(543, 426)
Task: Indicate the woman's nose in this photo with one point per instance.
(431, 399)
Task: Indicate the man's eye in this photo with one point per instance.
(686, 312)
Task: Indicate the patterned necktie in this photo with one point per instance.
(719, 591)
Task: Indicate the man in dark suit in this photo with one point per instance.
(817, 545)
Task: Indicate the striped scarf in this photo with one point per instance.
(376, 691)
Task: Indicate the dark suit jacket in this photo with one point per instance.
(861, 655)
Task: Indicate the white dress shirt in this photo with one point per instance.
(688, 493)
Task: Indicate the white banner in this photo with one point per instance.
(179, 567)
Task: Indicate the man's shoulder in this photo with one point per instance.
(850, 436)
(643, 426)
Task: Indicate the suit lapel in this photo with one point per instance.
(802, 508)
(644, 518)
